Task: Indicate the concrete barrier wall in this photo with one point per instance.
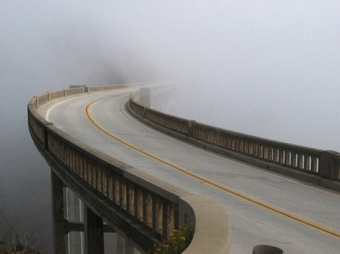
(94, 89)
(145, 208)
(74, 91)
(177, 124)
(56, 95)
(292, 156)
(91, 89)
(215, 231)
(174, 123)
(42, 99)
(336, 166)
(313, 165)
(108, 88)
(46, 97)
(139, 109)
(36, 123)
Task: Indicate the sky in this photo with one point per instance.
(266, 68)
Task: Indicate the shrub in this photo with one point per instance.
(176, 243)
(18, 247)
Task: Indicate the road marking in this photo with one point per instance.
(230, 160)
(50, 109)
(269, 207)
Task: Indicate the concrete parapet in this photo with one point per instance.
(74, 91)
(328, 165)
(42, 99)
(309, 164)
(56, 95)
(211, 225)
(141, 207)
(94, 89)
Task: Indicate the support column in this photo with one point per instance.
(327, 165)
(74, 214)
(129, 249)
(58, 219)
(120, 244)
(94, 234)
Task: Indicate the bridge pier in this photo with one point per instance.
(128, 247)
(119, 245)
(74, 216)
(77, 229)
(93, 225)
(94, 233)
(139, 206)
(58, 218)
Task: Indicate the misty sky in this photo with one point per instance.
(267, 68)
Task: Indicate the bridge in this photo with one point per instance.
(234, 191)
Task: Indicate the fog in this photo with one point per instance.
(270, 70)
(266, 68)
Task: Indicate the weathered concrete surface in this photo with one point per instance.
(219, 237)
(251, 224)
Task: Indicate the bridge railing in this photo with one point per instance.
(145, 208)
(318, 166)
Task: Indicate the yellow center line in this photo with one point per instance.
(210, 182)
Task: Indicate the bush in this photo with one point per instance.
(17, 247)
(176, 243)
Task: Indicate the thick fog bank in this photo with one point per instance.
(267, 68)
(47, 46)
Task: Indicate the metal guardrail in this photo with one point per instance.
(145, 208)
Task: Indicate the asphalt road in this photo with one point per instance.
(264, 208)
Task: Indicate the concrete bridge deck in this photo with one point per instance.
(264, 208)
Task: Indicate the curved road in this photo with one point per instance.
(264, 208)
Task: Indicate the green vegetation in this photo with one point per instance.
(16, 246)
(22, 245)
(176, 243)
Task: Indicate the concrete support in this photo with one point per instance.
(327, 165)
(129, 249)
(58, 223)
(74, 214)
(120, 244)
(115, 243)
(94, 233)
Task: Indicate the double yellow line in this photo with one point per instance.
(210, 182)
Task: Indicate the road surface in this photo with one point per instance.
(264, 208)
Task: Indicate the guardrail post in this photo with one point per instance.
(327, 165)
(46, 136)
(190, 129)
